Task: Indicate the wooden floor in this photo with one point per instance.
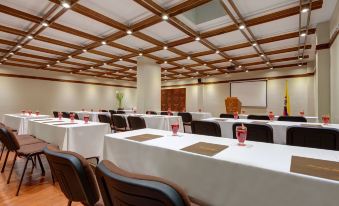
(35, 190)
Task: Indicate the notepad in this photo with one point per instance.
(38, 120)
(53, 121)
(143, 137)
(67, 123)
(312, 125)
(205, 148)
(315, 167)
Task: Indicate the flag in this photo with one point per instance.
(287, 109)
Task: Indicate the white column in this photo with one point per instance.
(148, 85)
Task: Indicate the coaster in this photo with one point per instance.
(205, 148)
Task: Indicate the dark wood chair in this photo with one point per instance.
(186, 118)
(136, 122)
(104, 118)
(151, 112)
(256, 132)
(112, 112)
(166, 113)
(230, 116)
(120, 187)
(75, 176)
(119, 123)
(76, 116)
(258, 117)
(55, 114)
(292, 119)
(28, 152)
(321, 138)
(121, 112)
(65, 114)
(206, 128)
(104, 110)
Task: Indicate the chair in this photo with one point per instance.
(258, 117)
(29, 152)
(120, 187)
(151, 112)
(321, 138)
(206, 128)
(119, 123)
(104, 118)
(186, 118)
(65, 114)
(166, 113)
(230, 116)
(292, 119)
(76, 116)
(75, 175)
(136, 122)
(121, 112)
(55, 114)
(103, 110)
(256, 132)
(112, 112)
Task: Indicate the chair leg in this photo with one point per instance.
(2, 150)
(10, 173)
(53, 178)
(184, 129)
(23, 174)
(41, 166)
(69, 203)
(4, 165)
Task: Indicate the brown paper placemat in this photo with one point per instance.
(312, 125)
(67, 123)
(53, 121)
(205, 148)
(220, 119)
(315, 167)
(259, 122)
(143, 137)
(38, 120)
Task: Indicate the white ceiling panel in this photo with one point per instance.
(164, 32)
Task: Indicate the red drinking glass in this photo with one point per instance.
(271, 116)
(175, 128)
(29, 112)
(241, 133)
(86, 119)
(60, 115)
(326, 119)
(200, 110)
(37, 113)
(302, 113)
(235, 114)
(23, 112)
(83, 110)
(71, 116)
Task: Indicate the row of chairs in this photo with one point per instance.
(65, 114)
(118, 123)
(321, 138)
(265, 117)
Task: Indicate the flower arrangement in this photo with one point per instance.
(119, 96)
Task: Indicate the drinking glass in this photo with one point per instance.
(175, 128)
(37, 113)
(326, 119)
(271, 116)
(60, 115)
(302, 113)
(86, 119)
(71, 116)
(241, 133)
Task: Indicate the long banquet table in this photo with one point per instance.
(85, 139)
(279, 127)
(257, 174)
(195, 115)
(308, 118)
(19, 122)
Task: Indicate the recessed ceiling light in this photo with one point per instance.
(254, 44)
(242, 26)
(165, 62)
(19, 46)
(300, 58)
(120, 59)
(271, 68)
(140, 54)
(80, 70)
(305, 9)
(191, 77)
(239, 66)
(91, 67)
(70, 57)
(11, 53)
(129, 32)
(0, 62)
(267, 62)
(105, 63)
(58, 61)
(165, 70)
(44, 24)
(165, 47)
(262, 55)
(5, 59)
(103, 43)
(30, 36)
(188, 57)
(84, 50)
(217, 51)
(230, 60)
(303, 34)
(164, 17)
(300, 65)
(65, 5)
(48, 65)
(205, 64)
(246, 70)
(197, 38)
(197, 72)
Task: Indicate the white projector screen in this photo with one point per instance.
(250, 94)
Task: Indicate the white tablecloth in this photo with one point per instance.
(256, 175)
(308, 118)
(162, 122)
(195, 115)
(20, 121)
(93, 116)
(279, 127)
(85, 139)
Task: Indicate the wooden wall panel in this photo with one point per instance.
(175, 99)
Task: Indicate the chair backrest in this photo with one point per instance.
(121, 112)
(151, 112)
(119, 121)
(104, 118)
(104, 110)
(321, 138)
(76, 116)
(292, 119)
(206, 128)
(76, 177)
(186, 117)
(119, 187)
(8, 138)
(112, 112)
(258, 117)
(65, 114)
(136, 122)
(256, 132)
(55, 114)
(227, 116)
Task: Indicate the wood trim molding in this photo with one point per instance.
(62, 80)
(329, 44)
(322, 46)
(248, 79)
(334, 37)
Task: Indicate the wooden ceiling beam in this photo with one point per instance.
(185, 6)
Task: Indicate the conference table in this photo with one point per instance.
(93, 116)
(195, 115)
(308, 118)
(255, 174)
(19, 122)
(161, 122)
(279, 127)
(77, 136)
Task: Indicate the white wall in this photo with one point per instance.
(18, 93)
(301, 91)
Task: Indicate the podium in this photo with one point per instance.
(232, 104)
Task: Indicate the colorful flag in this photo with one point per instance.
(287, 109)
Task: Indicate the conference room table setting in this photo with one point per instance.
(93, 115)
(161, 122)
(279, 127)
(19, 121)
(219, 171)
(308, 118)
(195, 115)
(85, 138)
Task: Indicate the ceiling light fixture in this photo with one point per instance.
(303, 34)
(246, 70)
(140, 54)
(239, 66)
(205, 64)
(129, 32)
(267, 62)
(305, 9)
(271, 68)
(84, 50)
(254, 44)
(165, 62)
(217, 51)
(58, 61)
(242, 27)
(120, 59)
(48, 65)
(164, 17)
(103, 43)
(5, 59)
(65, 4)
(30, 36)
(165, 47)
(45, 24)
(230, 60)
(300, 65)
(11, 53)
(91, 67)
(197, 38)
(19, 46)
(262, 55)
(70, 57)
(188, 57)
(300, 58)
